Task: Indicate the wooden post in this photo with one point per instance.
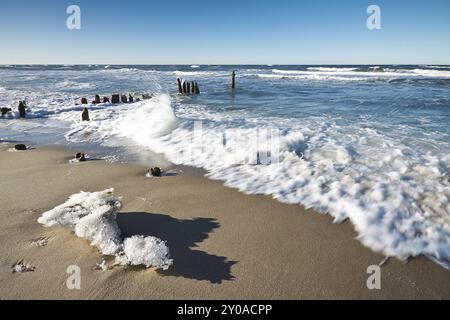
(97, 99)
(233, 80)
(115, 98)
(184, 86)
(188, 88)
(197, 89)
(85, 115)
(180, 88)
(84, 101)
(22, 109)
(193, 87)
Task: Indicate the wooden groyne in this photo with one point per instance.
(191, 87)
(187, 88)
(116, 99)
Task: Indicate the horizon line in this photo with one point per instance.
(220, 64)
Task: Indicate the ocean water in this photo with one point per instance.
(370, 144)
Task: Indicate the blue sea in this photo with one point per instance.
(368, 144)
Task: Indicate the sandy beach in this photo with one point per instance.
(225, 245)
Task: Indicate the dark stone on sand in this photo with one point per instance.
(156, 172)
(20, 147)
(115, 98)
(82, 157)
(84, 101)
(5, 111)
(105, 100)
(124, 99)
(22, 109)
(130, 98)
(78, 155)
(85, 115)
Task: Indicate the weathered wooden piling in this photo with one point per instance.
(115, 98)
(188, 88)
(180, 87)
(184, 86)
(197, 89)
(193, 87)
(97, 99)
(130, 98)
(85, 115)
(233, 80)
(105, 100)
(124, 99)
(22, 109)
(84, 101)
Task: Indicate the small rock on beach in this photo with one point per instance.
(20, 147)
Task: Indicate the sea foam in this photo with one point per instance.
(396, 197)
(355, 74)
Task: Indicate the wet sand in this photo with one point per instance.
(225, 245)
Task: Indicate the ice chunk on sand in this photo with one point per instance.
(148, 251)
(93, 216)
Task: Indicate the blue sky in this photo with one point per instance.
(225, 32)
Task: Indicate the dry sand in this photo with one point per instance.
(225, 245)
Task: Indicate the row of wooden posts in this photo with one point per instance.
(188, 88)
(184, 87)
(116, 98)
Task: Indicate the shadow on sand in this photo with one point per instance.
(181, 236)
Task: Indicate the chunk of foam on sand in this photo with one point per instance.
(147, 251)
(93, 216)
